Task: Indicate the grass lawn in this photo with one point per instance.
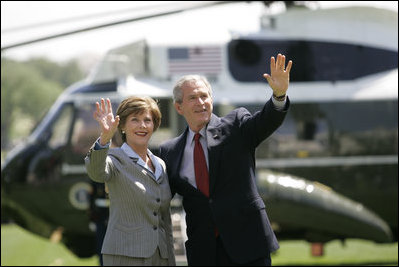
(352, 252)
(20, 247)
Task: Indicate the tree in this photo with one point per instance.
(28, 89)
(64, 74)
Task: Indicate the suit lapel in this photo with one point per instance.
(177, 155)
(175, 161)
(214, 137)
(123, 156)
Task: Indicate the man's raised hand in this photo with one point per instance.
(280, 76)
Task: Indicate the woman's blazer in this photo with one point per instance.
(139, 219)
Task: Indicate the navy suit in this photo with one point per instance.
(234, 206)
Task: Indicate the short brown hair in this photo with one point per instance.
(177, 90)
(137, 105)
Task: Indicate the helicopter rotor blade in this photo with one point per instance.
(86, 17)
(192, 6)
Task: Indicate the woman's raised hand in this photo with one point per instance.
(105, 118)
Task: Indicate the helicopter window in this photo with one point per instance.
(305, 132)
(364, 128)
(85, 130)
(168, 123)
(308, 130)
(298, 138)
(334, 129)
(61, 128)
(129, 59)
(246, 52)
(164, 108)
(313, 61)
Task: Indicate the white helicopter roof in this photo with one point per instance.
(368, 26)
(364, 25)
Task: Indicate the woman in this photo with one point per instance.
(139, 230)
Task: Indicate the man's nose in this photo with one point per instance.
(200, 101)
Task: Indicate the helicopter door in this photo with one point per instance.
(46, 164)
(45, 184)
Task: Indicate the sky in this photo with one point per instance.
(48, 16)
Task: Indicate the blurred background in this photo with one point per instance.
(328, 176)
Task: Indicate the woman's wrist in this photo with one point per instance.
(104, 140)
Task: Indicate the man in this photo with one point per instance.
(226, 218)
(98, 214)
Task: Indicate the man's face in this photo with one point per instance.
(196, 106)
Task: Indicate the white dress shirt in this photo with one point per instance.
(187, 165)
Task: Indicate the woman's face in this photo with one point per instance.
(139, 129)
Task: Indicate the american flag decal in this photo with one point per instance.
(199, 59)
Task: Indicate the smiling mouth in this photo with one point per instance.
(141, 133)
(201, 111)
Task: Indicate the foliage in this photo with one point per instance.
(64, 74)
(28, 89)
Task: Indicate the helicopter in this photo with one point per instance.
(329, 172)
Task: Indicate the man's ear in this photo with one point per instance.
(178, 108)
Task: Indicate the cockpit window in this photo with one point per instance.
(60, 128)
(85, 130)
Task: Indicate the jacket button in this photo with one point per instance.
(155, 213)
(154, 227)
(158, 199)
(210, 200)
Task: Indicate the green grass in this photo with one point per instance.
(352, 252)
(20, 247)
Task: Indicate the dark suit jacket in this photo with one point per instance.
(234, 206)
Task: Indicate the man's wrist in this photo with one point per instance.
(280, 97)
(279, 105)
